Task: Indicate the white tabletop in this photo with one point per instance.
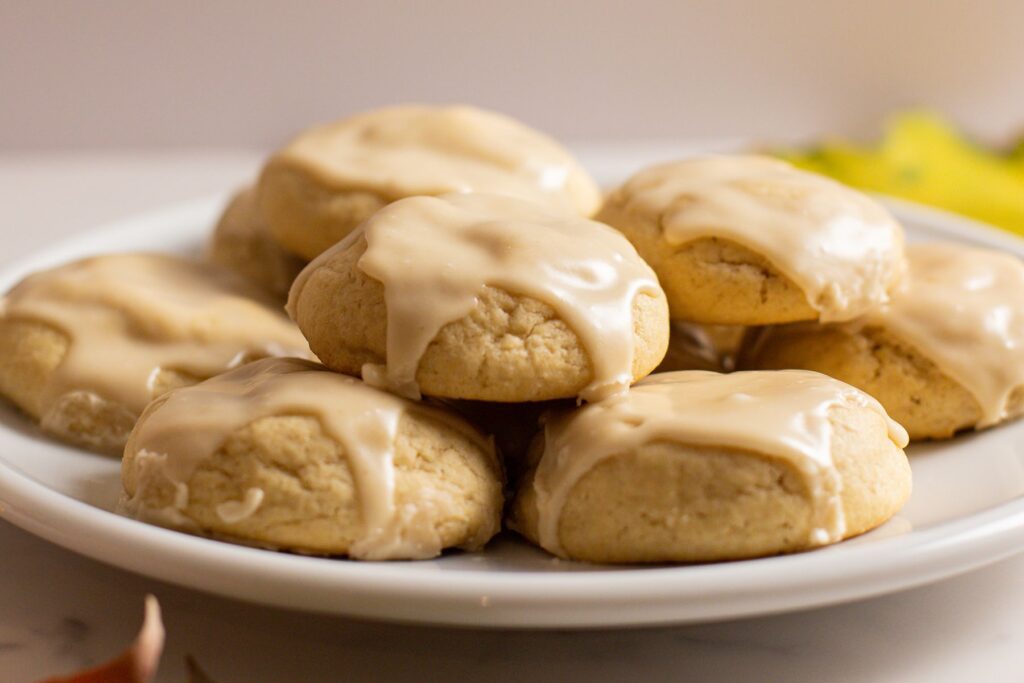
(59, 611)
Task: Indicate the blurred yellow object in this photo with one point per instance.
(924, 159)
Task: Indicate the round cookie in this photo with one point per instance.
(284, 454)
(945, 354)
(699, 466)
(241, 242)
(85, 346)
(483, 297)
(743, 240)
(331, 178)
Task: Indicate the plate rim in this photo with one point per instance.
(528, 599)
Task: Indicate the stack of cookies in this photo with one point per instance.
(473, 331)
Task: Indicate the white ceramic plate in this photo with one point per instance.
(967, 510)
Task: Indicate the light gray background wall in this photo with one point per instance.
(129, 73)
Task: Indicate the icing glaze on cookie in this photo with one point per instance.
(181, 430)
(422, 150)
(840, 247)
(127, 317)
(434, 255)
(781, 414)
(963, 308)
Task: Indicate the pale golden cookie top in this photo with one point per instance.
(128, 316)
(840, 247)
(963, 308)
(781, 414)
(428, 150)
(434, 255)
(183, 429)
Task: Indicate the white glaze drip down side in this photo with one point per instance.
(435, 255)
(781, 415)
(963, 308)
(840, 247)
(183, 429)
(235, 511)
(129, 316)
(421, 150)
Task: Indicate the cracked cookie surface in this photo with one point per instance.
(676, 502)
(510, 348)
(745, 240)
(285, 454)
(915, 392)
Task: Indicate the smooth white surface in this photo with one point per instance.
(57, 609)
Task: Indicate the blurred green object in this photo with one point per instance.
(925, 159)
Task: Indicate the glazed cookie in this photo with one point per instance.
(702, 347)
(946, 354)
(747, 240)
(241, 242)
(84, 347)
(285, 454)
(483, 297)
(700, 466)
(329, 179)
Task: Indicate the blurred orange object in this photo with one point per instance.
(138, 664)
